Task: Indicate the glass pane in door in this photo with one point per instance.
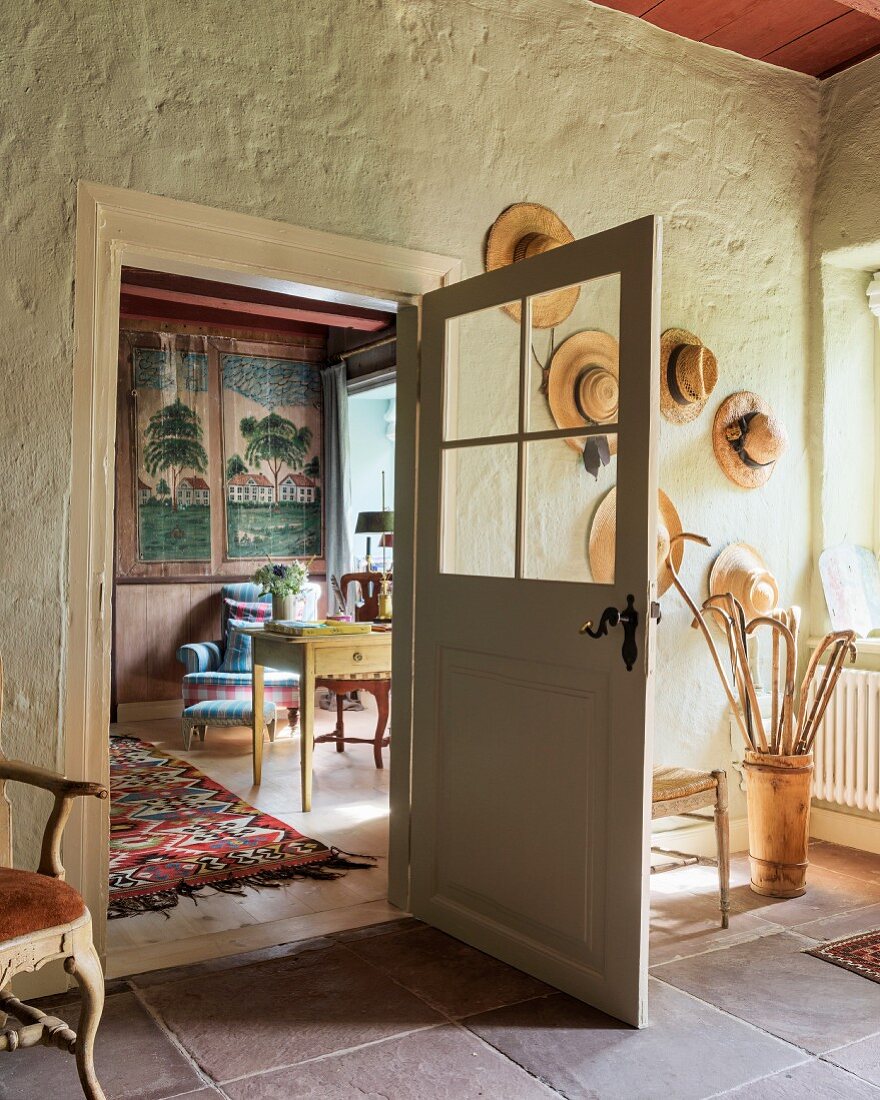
(478, 535)
(481, 379)
(574, 368)
(569, 515)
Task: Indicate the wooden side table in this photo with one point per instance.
(338, 657)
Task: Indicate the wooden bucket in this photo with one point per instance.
(778, 793)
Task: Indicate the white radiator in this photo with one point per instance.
(847, 748)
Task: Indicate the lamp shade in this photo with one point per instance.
(374, 523)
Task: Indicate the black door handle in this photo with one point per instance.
(628, 619)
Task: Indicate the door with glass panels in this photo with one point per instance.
(531, 738)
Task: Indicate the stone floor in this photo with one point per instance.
(402, 1012)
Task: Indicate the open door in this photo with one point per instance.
(531, 740)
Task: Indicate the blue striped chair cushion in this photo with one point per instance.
(237, 657)
(233, 712)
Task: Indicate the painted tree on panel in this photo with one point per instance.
(174, 444)
(275, 440)
(235, 464)
(162, 490)
(313, 467)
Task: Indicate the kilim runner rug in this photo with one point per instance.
(175, 831)
(860, 954)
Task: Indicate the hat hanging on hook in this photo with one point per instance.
(748, 439)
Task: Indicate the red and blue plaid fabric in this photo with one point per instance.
(282, 688)
(251, 612)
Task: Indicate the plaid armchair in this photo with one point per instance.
(203, 679)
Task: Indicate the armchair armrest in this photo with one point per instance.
(201, 656)
(65, 790)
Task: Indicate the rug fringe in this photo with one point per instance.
(269, 878)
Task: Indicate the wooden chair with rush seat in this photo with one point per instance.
(42, 919)
(367, 610)
(678, 792)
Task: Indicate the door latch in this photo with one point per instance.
(628, 619)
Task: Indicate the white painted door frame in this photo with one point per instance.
(116, 227)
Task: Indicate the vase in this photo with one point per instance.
(284, 607)
(778, 796)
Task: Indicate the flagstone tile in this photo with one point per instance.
(281, 1012)
(134, 1060)
(453, 977)
(864, 866)
(443, 1063)
(828, 894)
(861, 1058)
(842, 925)
(814, 1078)
(685, 924)
(690, 1051)
(772, 984)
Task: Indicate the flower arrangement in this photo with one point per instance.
(282, 580)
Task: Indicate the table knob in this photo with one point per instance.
(358, 657)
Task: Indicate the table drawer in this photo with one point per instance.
(353, 658)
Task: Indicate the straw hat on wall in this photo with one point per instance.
(688, 373)
(583, 384)
(748, 439)
(524, 230)
(603, 532)
(740, 570)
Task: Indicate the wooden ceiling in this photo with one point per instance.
(156, 296)
(819, 37)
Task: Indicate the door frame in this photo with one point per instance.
(116, 226)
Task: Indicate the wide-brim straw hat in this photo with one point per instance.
(688, 373)
(603, 533)
(582, 387)
(740, 570)
(523, 230)
(748, 439)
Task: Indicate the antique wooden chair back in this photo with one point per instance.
(369, 587)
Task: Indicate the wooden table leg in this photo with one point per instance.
(257, 702)
(381, 691)
(307, 725)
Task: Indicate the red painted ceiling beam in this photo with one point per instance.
(313, 314)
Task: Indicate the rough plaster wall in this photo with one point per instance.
(413, 122)
(845, 252)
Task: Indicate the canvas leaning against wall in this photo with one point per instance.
(272, 457)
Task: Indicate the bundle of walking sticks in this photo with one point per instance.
(794, 718)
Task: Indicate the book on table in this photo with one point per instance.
(295, 629)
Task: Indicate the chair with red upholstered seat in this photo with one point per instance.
(43, 918)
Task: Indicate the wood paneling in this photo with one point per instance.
(817, 37)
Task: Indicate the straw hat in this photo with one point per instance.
(602, 537)
(748, 439)
(740, 570)
(524, 230)
(688, 373)
(582, 387)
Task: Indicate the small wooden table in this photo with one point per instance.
(340, 656)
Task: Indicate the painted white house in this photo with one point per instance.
(145, 492)
(297, 489)
(192, 490)
(250, 488)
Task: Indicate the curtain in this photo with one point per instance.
(337, 480)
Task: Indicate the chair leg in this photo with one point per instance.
(200, 733)
(292, 717)
(85, 966)
(340, 720)
(186, 730)
(722, 835)
(271, 728)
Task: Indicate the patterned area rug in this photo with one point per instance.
(175, 831)
(860, 954)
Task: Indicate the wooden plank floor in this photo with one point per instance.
(350, 811)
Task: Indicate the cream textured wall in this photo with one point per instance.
(413, 122)
(846, 251)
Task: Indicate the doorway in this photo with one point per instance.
(115, 229)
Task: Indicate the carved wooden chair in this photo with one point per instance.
(379, 687)
(42, 918)
(679, 792)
